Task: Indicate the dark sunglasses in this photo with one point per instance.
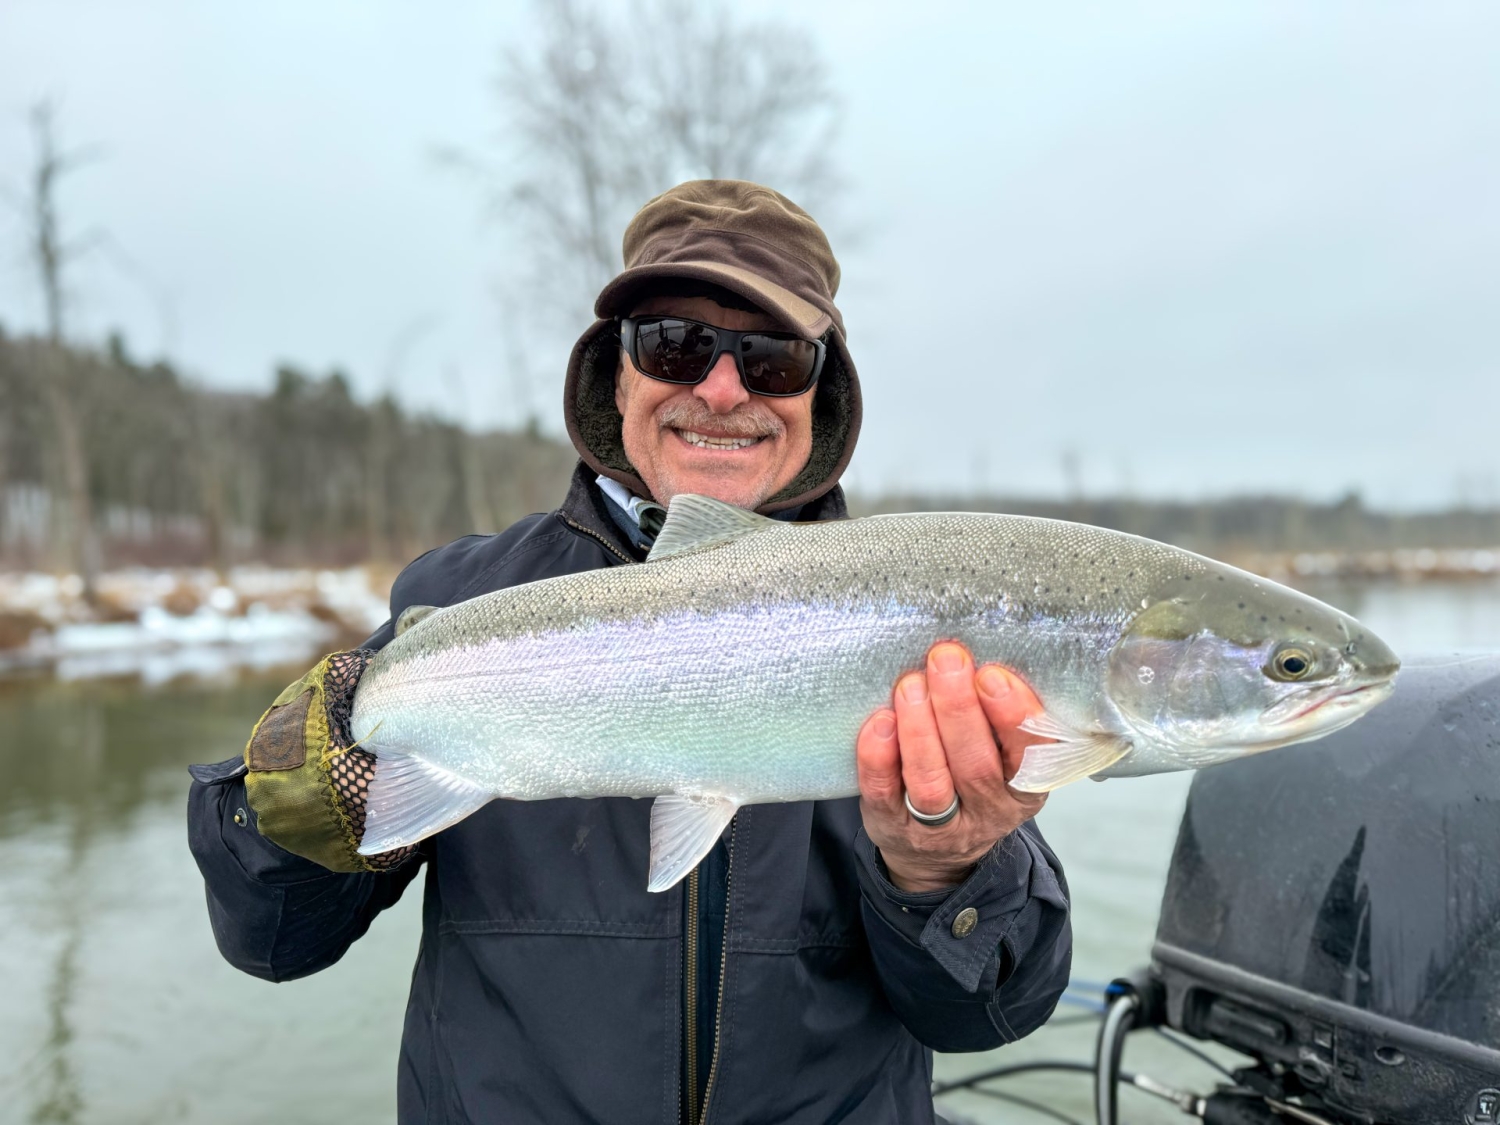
(674, 350)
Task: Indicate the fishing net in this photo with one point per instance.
(354, 769)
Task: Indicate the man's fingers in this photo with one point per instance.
(878, 757)
(972, 756)
(1008, 701)
(924, 765)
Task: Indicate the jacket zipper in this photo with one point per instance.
(594, 535)
(690, 952)
(690, 983)
(713, 1067)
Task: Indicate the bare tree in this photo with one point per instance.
(51, 255)
(381, 439)
(604, 111)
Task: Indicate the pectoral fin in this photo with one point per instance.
(683, 831)
(1072, 755)
(410, 799)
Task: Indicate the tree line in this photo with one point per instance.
(175, 473)
(306, 474)
(1229, 525)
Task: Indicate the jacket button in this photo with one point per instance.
(965, 921)
(241, 819)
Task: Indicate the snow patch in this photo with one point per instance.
(162, 624)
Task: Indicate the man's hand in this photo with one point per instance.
(941, 739)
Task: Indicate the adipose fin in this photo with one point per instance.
(412, 614)
(1071, 756)
(683, 831)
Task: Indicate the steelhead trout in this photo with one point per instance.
(737, 664)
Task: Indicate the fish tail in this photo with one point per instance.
(410, 799)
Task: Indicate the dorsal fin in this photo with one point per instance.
(412, 614)
(698, 522)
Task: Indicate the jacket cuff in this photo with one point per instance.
(231, 814)
(967, 946)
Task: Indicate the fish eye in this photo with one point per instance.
(1291, 663)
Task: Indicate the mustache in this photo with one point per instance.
(748, 421)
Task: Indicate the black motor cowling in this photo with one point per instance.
(1333, 909)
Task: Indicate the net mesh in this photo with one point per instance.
(354, 769)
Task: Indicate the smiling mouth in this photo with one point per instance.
(714, 442)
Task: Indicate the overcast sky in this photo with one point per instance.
(1202, 247)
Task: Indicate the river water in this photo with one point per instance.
(115, 1006)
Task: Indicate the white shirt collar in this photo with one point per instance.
(631, 505)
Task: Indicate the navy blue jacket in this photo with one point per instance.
(549, 984)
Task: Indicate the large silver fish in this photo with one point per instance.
(737, 664)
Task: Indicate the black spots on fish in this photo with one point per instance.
(1187, 577)
(1221, 578)
(1241, 605)
(1263, 617)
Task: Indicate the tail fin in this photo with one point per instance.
(411, 799)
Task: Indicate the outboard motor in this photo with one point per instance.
(1333, 911)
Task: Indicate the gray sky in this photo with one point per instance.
(1206, 248)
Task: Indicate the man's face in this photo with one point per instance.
(756, 445)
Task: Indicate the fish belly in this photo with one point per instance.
(757, 704)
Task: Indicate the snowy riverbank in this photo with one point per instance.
(160, 624)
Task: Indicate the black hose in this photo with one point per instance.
(1027, 1103)
(1118, 1021)
(1202, 1056)
(1068, 1021)
(1021, 1068)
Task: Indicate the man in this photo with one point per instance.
(806, 969)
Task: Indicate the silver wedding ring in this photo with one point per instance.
(932, 820)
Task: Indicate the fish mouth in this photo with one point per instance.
(1333, 710)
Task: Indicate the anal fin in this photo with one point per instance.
(411, 799)
(1070, 756)
(683, 831)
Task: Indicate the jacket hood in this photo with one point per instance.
(761, 247)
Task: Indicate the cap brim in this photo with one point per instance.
(797, 315)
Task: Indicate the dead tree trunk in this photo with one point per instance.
(51, 257)
(476, 487)
(82, 538)
(377, 482)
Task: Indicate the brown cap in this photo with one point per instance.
(751, 240)
(757, 244)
